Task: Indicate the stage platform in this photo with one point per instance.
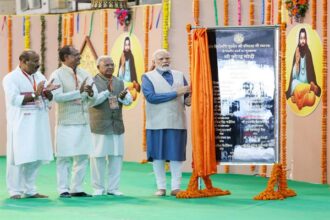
(138, 185)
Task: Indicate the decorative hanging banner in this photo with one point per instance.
(23, 25)
(77, 23)
(59, 36)
(239, 13)
(27, 39)
(215, 6)
(43, 44)
(151, 17)
(10, 44)
(85, 24)
(3, 22)
(133, 22)
(158, 17)
(244, 68)
(91, 25)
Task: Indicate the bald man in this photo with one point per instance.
(28, 130)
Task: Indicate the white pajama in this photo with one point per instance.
(21, 178)
(79, 165)
(176, 174)
(106, 162)
(99, 167)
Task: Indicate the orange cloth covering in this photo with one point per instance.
(203, 137)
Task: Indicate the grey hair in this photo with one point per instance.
(157, 52)
(101, 58)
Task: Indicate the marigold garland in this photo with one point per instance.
(251, 12)
(193, 191)
(189, 42)
(226, 23)
(268, 12)
(279, 14)
(166, 23)
(251, 21)
(225, 12)
(276, 179)
(226, 168)
(283, 103)
(263, 171)
(65, 30)
(43, 44)
(146, 58)
(314, 18)
(105, 33)
(196, 11)
(272, 12)
(10, 44)
(71, 28)
(325, 92)
(27, 37)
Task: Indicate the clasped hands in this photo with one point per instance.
(182, 91)
(122, 94)
(87, 88)
(46, 91)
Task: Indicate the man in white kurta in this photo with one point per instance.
(73, 141)
(28, 129)
(107, 127)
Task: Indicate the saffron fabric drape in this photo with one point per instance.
(203, 136)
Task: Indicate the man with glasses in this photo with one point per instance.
(106, 119)
(73, 141)
(28, 130)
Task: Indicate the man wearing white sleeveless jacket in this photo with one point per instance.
(73, 140)
(167, 93)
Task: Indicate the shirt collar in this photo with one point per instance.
(68, 68)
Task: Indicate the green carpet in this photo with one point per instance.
(137, 183)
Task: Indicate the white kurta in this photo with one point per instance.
(112, 144)
(28, 128)
(72, 140)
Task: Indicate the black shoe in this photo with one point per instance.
(80, 194)
(65, 195)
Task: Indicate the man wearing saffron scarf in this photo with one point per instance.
(166, 92)
(107, 126)
(73, 140)
(28, 129)
(303, 87)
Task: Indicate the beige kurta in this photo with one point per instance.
(72, 139)
(28, 128)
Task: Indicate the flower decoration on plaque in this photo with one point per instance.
(123, 16)
(297, 8)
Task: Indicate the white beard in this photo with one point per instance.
(163, 69)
